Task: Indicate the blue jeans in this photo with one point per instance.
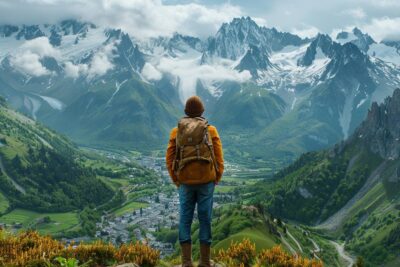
(189, 196)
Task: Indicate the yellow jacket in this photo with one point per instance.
(196, 172)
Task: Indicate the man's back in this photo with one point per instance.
(196, 172)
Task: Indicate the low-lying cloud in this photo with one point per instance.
(28, 57)
(188, 72)
(99, 65)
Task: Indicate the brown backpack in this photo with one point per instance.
(193, 143)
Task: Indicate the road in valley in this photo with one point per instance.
(343, 254)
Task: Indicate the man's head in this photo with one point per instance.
(194, 107)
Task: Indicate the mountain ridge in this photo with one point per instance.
(306, 74)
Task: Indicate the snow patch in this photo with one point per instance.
(361, 102)
(385, 53)
(293, 103)
(32, 104)
(346, 114)
(117, 88)
(53, 102)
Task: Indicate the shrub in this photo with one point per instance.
(278, 258)
(98, 253)
(238, 254)
(137, 253)
(243, 254)
(27, 249)
(31, 249)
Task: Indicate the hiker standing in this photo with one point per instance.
(195, 163)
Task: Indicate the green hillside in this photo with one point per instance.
(349, 192)
(129, 115)
(41, 170)
(49, 184)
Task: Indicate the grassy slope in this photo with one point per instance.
(29, 219)
(370, 223)
(138, 117)
(4, 204)
(259, 236)
(130, 207)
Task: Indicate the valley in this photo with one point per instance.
(310, 131)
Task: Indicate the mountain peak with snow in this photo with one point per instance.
(254, 61)
(357, 37)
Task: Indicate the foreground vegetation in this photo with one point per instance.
(32, 249)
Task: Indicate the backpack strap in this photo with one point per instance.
(211, 147)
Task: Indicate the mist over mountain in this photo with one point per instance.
(103, 88)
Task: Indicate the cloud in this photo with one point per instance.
(188, 72)
(28, 57)
(42, 47)
(385, 3)
(149, 18)
(100, 64)
(149, 72)
(357, 13)
(309, 31)
(29, 63)
(383, 28)
(140, 18)
(74, 71)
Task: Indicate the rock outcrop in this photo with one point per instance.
(381, 130)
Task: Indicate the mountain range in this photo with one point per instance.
(104, 88)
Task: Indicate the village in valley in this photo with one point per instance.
(162, 210)
(143, 223)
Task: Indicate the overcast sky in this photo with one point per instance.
(148, 18)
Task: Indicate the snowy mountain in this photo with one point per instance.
(104, 88)
(387, 50)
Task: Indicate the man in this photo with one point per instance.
(195, 163)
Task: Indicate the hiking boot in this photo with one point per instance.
(186, 255)
(205, 255)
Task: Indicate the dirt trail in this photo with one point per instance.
(333, 222)
(342, 253)
(317, 249)
(17, 186)
(295, 241)
(286, 243)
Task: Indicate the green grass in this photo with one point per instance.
(130, 207)
(140, 193)
(239, 179)
(29, 219)
(4, 204)
(13, 148)
(262, 239)
(224, 188)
